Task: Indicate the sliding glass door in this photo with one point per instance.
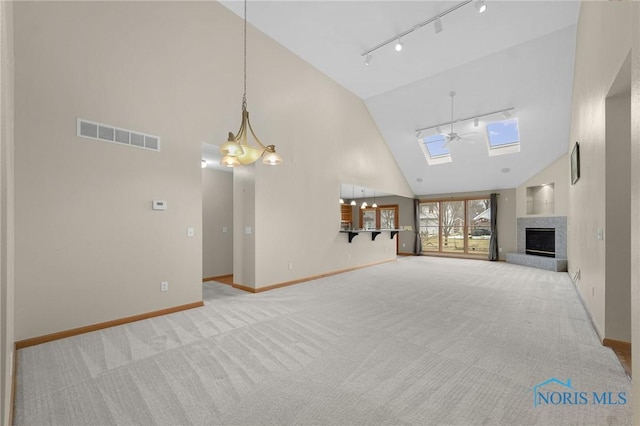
(455, 226)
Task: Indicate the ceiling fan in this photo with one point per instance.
(453, 136)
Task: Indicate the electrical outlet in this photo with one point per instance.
(291, 266)
(164, 286)
(403, 245)
(500, 250)
(190, 232)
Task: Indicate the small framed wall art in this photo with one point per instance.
(575, 163)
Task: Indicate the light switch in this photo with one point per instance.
(190, 232)
(600, 234)
(247, 230)
(225, 229)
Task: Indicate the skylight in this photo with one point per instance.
(503, 137)
(435, 149)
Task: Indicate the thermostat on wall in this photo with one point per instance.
(159, 205)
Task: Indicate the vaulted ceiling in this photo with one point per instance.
(516, 54)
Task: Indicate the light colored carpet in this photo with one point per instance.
(419, 341)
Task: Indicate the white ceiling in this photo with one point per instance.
(517, 54)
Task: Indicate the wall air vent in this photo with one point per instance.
(104, 132)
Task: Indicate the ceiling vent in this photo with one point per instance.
(104, 132)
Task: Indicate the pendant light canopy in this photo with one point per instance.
(236, 150)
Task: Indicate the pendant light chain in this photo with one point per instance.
(244, 95)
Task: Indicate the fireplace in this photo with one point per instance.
(540, 242)
(545, 247)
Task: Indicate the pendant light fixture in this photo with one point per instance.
(374, 205)
(353, 195)
(236, 150)
(364, 202)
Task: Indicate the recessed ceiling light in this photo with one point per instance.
(419, 180)
(505, 170)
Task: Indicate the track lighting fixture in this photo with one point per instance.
(399, 45)
(203, 164)
(506, 112)
(437, 24)
(480, 5)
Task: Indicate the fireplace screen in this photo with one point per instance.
(541, 242)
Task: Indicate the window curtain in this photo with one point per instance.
(417, 247)
(493, 242)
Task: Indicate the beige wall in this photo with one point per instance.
(89, 242)
(635, 211)
(89, 248)
(217, 215)
(618, 215)
(556, 173)
(506, 215)
(604, 41)
(6, 210)
(326, 137)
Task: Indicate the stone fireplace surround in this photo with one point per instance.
(559, 263)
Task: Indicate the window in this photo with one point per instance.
(479, 226)
(382, 217)
(503, 137)
(435, 149)
(461, 226)
(430, 226)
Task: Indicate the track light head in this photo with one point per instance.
(437, 24)
(506, 114)
(367, 59)
(480, 5)
(399, 45)
(476, 122)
